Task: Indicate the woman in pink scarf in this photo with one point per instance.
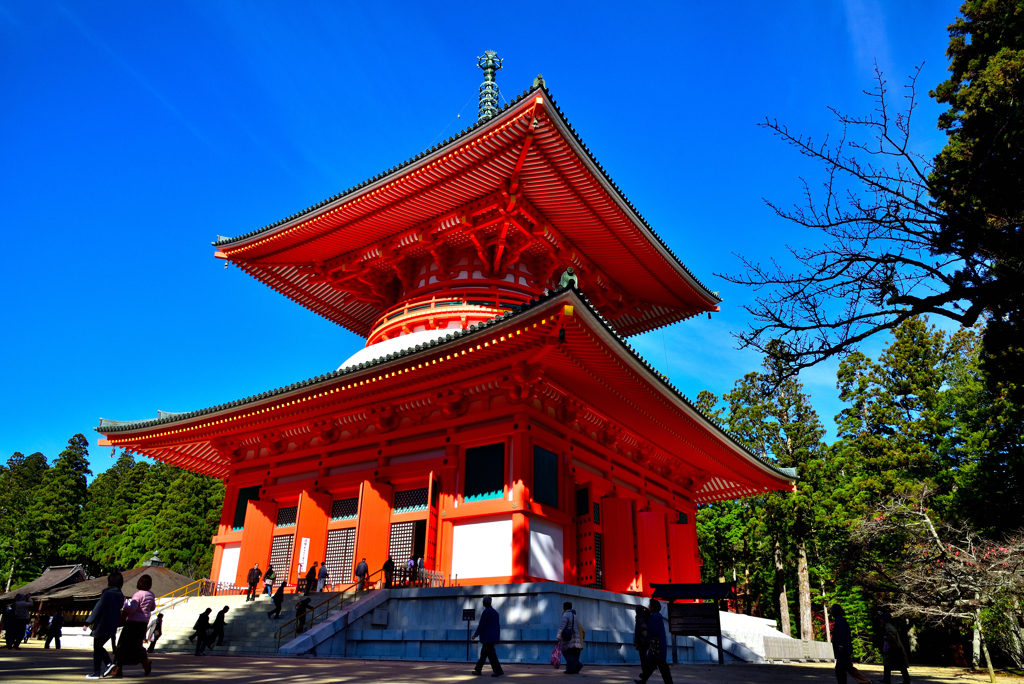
(137, 610)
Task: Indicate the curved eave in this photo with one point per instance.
(601, 325)
(465, 137)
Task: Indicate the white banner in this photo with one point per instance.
(303, 554)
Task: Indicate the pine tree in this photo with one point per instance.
(188, 522)
(56, 510)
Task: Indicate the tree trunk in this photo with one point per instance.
(804, 593)
(782, 603)
(10, 576)
(976, 648)
(824, 605)
(984, 646)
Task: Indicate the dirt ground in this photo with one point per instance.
(36, 665)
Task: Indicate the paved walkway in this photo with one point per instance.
(34, 665)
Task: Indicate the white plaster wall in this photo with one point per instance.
(546, 558)
(229, 562)
(482, 549)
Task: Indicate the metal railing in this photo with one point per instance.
(417, 577)
(322, 610)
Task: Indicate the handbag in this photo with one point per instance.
(556, 655)
(567, 632)
(654, 650)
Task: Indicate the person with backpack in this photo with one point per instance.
(570, 638)
(268, 581)
(104, 620)
(658, 646)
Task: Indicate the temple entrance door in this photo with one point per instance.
(430, 546)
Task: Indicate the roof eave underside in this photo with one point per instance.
(200, 452)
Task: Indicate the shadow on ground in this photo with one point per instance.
(36, 665)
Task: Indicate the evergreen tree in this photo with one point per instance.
(54, 516)
(188, 521)
(18, 480)
(113, 496)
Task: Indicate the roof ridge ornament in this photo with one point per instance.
(569, 277)
(490, 63)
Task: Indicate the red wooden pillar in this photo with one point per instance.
(311, 523)
(257, 537)
(619, 543)
(682, 541)
(652, 549)
(373, 526)
(218, 552)
(521, 462)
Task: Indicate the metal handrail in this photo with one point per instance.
(289, 629)
(195, 588)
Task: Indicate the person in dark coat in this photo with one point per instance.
(53, 630)
(104, 620)
(322, 577)
(362, 571)
(489, 632)
(20, 626)
(842, 647)
(253, 578)
(278, 600)
(8, 620)
(641, 638)
(301, 609)
(571, 639)
(310, 580)
(217, 631)
(658, 646)
(389, 572)
(202, 627)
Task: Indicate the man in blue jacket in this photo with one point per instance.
(489, 631)
(105, 618)
(658, 646)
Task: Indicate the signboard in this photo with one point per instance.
(468, 614)
(303, 554)
(694, 619)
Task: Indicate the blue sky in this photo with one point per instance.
(135, 133)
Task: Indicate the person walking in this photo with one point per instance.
(8, 621)
(136, 612)
(894, 656)
(322, 576)
(489, 632)
(202, 627)
(22, 611)
(842, 647)
(253, 578)
(217, 630)
(53, 630)
(658, 646)
(419, 571)
(362, 571)
(268, 581)
(569, 639)
(104, 620)
(278, 600)
(301, 608)
(310, 580)
(641, 639)
(156, 630)
(389, 572)
(410, 572)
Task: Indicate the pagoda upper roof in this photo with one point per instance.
(530, 152)
(167, 437)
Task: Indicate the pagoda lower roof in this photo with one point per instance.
(594, 362)
(530, 152)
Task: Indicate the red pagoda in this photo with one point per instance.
(497, 424)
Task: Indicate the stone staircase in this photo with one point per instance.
(247, 628)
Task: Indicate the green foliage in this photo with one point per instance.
(923, 414)
(49, 516)
(979, 173)
(55, 513)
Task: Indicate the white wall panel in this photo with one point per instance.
(229, 563)
(546, 558)
(482, 549)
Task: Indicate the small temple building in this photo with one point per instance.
(497, 424)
